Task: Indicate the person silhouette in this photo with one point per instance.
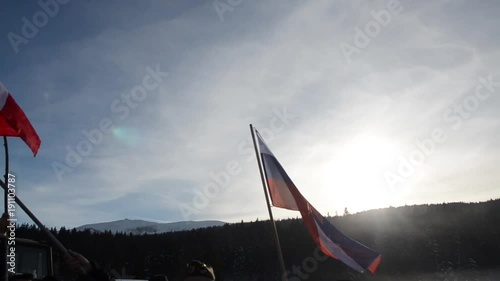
(199, 271)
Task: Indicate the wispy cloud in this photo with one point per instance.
(352, 120)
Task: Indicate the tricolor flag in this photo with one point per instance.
(332, 242)
(14, 123)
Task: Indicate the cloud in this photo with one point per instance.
(225, 75)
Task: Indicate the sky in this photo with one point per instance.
(143, 107)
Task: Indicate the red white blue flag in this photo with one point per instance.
(332, 242)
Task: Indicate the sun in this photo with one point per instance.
(355, 173)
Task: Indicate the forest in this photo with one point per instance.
(445, 241)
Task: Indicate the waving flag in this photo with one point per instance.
(14, 123)
(332, 242)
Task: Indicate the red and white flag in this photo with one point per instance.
(14, 123)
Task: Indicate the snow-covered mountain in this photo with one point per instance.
(142, 227)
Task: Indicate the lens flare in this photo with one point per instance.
(128, 136)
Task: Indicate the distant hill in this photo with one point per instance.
(147, 227)
(439, 242)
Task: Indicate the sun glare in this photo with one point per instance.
(356, 173)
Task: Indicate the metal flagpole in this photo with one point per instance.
(264, 185)
(49, 234)
(20, 203)
(6, 176)
(6, 208)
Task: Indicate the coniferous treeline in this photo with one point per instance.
(441, 238)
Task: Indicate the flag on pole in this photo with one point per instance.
(14, 123)
(332, 242)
